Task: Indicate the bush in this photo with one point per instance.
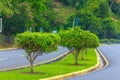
(104, 40)
(110, 40)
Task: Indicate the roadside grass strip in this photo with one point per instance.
(64, 66)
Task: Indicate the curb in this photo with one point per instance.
(45, 62)
(106, 61)
(7, 49)
(85, 71)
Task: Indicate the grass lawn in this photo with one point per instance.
(64, 66)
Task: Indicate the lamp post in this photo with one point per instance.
(75, 20)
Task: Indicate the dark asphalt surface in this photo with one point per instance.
(16, 58)
(112, 72)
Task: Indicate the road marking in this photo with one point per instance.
(21, 55)
(3, 59)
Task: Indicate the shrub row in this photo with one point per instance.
(110, 40)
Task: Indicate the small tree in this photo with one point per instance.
(72, 39)
(36, 44)
(78, 40)
(90, 41)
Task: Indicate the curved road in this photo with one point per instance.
(16, 58)
(112, 72)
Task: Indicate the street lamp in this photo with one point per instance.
(75, 20)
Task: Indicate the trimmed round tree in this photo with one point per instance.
(35, 44)
(77, 40)
(73, 39)
(90, 41)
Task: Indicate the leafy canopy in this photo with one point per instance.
(33, 42)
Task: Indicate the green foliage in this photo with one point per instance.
(108, 29)
(93, 17)
(0, 7)
(104, 40)
(78, 4)
(43, 14)
(77, 39)
(94, 41)
(88, 21)
(70, 38)
(20, 16)
(1, 38)
(36, 44)
(33, 42)
(26, 13)
(115, 7)
(104, 10)
(109, 40)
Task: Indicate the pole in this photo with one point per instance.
(0, 24)
(112, 3)
(73, 22)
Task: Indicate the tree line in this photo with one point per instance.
(21, 15)
(100, 17)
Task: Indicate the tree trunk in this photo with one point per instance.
(76, 60)
(7, 39)
(31, 67)
(73, 23)
(86, 51)
(77, 51)
(82, 54)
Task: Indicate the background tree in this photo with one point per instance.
(36, 44)
(41, 15)
(115, 7)
(88, 21)
(108, 29)
(72, 39)
(14, 21)
(21, 15)
(104, 11)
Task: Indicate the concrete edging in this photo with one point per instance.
(85, 71)
(105, 59)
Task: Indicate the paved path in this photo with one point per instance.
(112, 72)
(16, 58)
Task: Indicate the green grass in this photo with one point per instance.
(64, 66)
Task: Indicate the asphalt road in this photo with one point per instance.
(16, 58)
(112, 72)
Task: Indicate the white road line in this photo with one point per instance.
(21, 55)
(3, 59)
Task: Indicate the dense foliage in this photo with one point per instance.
(43, 15)
(115, 6)
(35, 44)
(77, 40)
(96, 16)
(19, 15)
